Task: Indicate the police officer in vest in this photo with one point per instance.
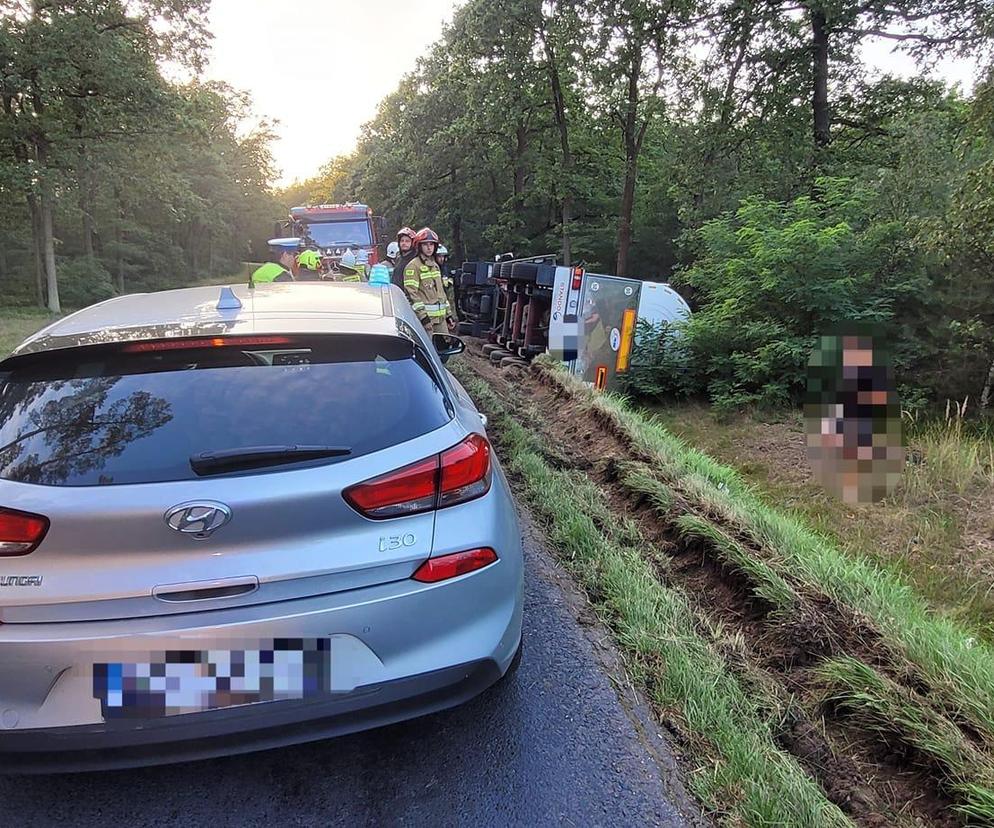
(281, 265)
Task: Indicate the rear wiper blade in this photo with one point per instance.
(249, 457)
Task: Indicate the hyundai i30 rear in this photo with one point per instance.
(224, 543)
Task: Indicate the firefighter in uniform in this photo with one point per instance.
(309, 266)
(423, 285)
(448, 284)
(393, 251)
(405, 244)
(349, 268)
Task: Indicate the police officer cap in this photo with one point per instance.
(291, 244)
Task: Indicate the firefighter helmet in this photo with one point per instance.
(309, 260)
(406, 231)
(349, 259)
(426, 234)
(442, 250)
(393, 250)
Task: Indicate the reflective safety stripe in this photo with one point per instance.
(355, 278)
(411, 284)
(418, 306)
(436, 306)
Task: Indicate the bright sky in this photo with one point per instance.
(319, 67)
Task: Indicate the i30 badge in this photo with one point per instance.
(198, 518)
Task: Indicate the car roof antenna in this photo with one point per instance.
(227, 300)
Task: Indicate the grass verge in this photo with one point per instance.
(740, 772)
(948, 657)
(18, 323)
(779, 556)
(936, 531)
(879, 704)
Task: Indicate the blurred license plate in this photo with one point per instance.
(191, 681)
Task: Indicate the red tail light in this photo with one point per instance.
(449, 566)
(457, 475)
(20, 532)
(406, 491)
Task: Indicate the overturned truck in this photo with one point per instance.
(589, 321)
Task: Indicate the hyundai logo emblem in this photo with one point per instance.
(198, 518)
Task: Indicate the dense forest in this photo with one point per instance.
(113, 178)
(740, 149)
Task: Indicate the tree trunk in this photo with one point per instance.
(39, 249)
(625, 220)
(520, 170)
(457, 243)
(119, 236)
(819, 98)
(48, 242)
(559, 110)
(632, 136)
(985, 395)
(85, 182)
(120, 259)
(47, 245)
(86, 206)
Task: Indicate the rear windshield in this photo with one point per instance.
(115, 418)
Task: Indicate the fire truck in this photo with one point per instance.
(334, 228)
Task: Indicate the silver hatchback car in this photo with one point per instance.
(235, 519)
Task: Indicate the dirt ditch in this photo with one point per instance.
(874, 781)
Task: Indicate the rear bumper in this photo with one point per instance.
(223, 733)
(398, 651)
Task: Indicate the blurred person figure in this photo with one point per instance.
(853, 417)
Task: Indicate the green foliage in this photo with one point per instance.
(772, 276)
(83, 282)
(159, 183)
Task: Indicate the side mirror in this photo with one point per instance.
(447, 345)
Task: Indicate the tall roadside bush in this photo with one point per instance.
(772, 276)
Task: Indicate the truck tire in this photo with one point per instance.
(508, 361)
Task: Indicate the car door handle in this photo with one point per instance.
(483, 418)
(206, 590)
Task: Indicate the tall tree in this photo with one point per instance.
(73, 67)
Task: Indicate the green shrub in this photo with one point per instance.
(773, 276)
(83, 282)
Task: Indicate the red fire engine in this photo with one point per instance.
(334, 228)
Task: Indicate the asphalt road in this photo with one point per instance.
(552, 746)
